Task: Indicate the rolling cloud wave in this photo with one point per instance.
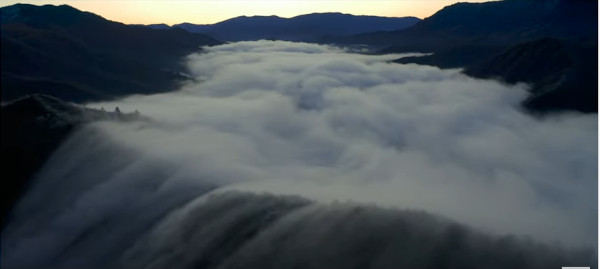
(310, 121)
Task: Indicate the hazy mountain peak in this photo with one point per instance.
(161, 26)
(255, 17)
(307, 27)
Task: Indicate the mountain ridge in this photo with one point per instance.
(79, 56)
(476, 36)
(24, 151)
(305, 27)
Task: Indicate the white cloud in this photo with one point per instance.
(311, 120)
(406, 135)
(460, 146)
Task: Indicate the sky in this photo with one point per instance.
(207, 11)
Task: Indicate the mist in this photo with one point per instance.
(321, 125)
(315, 121)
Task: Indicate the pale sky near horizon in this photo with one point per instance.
(212, 11)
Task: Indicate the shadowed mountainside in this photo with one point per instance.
(309, 27)
(24, 150)
(498, 23)
(551, 45)
(562, 73)
(79, 56)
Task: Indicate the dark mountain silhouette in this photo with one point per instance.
(24, 150)
(79, 56)
(491, 23)
(309, 27)
(556, 39)
(160, 26)
(562, 74)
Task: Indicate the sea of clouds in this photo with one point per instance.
(307, 119)
(318, 122)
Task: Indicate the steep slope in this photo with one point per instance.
(562, 74)
(24, 151)
(551, 45)
(491, 23)
(309, 27)
(79, 56)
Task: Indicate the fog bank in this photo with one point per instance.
(315, 122)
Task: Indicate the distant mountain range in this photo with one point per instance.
(309, 27)
(79, 56)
